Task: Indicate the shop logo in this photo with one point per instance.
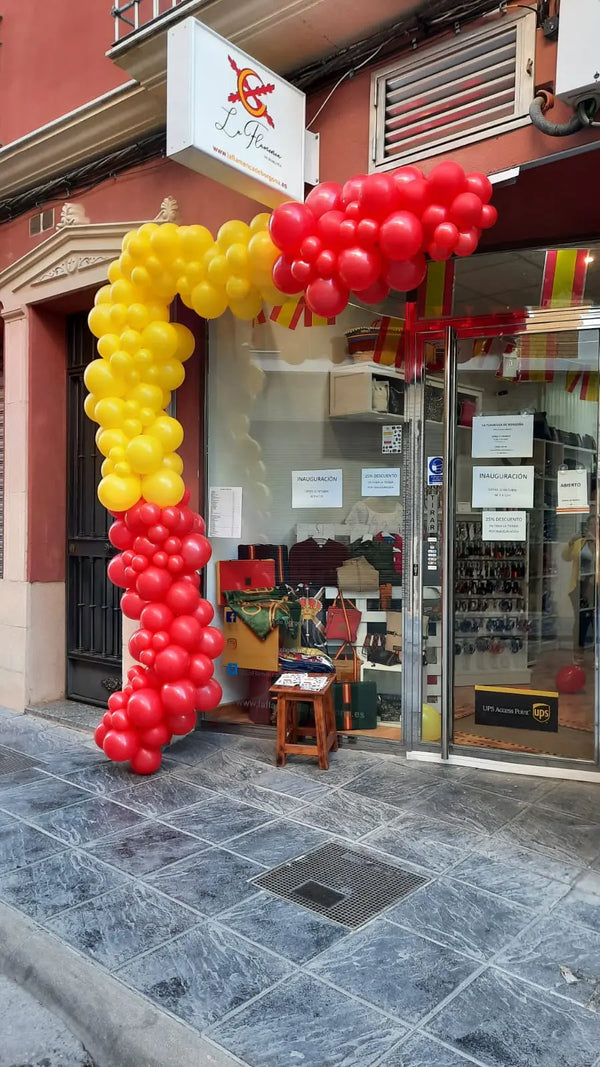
(250, 92)
(541, 712)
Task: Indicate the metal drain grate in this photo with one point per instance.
(14, 761)
(343, 883)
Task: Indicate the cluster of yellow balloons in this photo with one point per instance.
(142, 353)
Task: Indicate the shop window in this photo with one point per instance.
(464, 89)
(1, 466)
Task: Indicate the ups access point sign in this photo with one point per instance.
(518, 709)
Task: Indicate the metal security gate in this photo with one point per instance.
(93, 615)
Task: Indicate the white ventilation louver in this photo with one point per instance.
(464, 89)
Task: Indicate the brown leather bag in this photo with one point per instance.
(347, 664)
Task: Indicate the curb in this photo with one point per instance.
(117, 1027)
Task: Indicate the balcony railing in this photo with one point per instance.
(130, 15)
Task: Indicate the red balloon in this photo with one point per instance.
(120, 536)
(161, 640)
(130, 576)
(132, 605)
(488, 217)
(208, 696)
(359, 267)
(172, 663)
(446, 181)
(136, 672)
(186, 631)
(377, 196)
(327, 297)
(328, 229)
(432, 217)
(156, 617)
(120, 720)
(324, 197)
(310, 248)
(155, 737)
(204, 612)
(446, 236)
(138, 641)
(150, 513)
(169, 517)
(353, 210)
(367, 232)
(406, 274)
(172, 546)
(139, 564)
(145, 708)
(175, 565)
(160, 559)
(146, 760)
(326, 264)
(283, 279)
(143, 547)
(193, 578)
(179, 697)
(127, 557)
(134, 520)
(351, 189)
(182, 598)
(116, 701)
(179, 725)
(401, 235)
(107, 719)
(116, 573)
(303, 271)
(147, 657)
(201, 668)
(185, 521)
(467, 242)
(195, 551)
(120, 745)
(465, 210)
(438, 254)
(158, 533)
(375, 293)
(99, 734)
(199, 524)
(153, 583)
(481, 185)
(137, 683)
(212, 643)
(413, 195)
(348, 229)
(289, 224)
(571, 679)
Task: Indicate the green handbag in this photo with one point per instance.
(355, 705)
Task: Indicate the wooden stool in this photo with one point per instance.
(288, 730)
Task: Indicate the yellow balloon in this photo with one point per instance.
(119, 494)
(170, 375)
(271, 295)
(103, 296)
(185, 341)
(262, 253)
(118, 317)
(139, 248)
(122, 469)
(101, 381)
(143, 359)
(107, 440)
(146, 395)
(208, 301)
(169, 432)
(122, 363)
(132, 427)
(114, 271)
(165, 241)
(138, 316)
(157, 312)
(173, 462)
(161, 339)
(89, 406)
(237, 289)
(123, 292)
(110, 412)
(100, 320)
(145, 454)
(131, 340)
(165, 487)
(231, 232)
(107, 344)
(140, 278)
(247, 307)
(218, 270)
(195, 241)
(107, 467)
(431, 723)
(260, 222)
(126, 264)
(237, 258)
(148, 228)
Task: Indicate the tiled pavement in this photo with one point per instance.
(149, 879)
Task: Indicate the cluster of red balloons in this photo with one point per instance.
(373, 233)
(162, 550)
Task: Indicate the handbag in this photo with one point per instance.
(380, 396)
(357, 575)
(347, 663)
(342, 620)
(355, 705)
(278, 553)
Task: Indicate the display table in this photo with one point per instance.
(288, 731)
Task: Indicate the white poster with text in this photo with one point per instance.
(502, 435)
(572, 493)
(504, 526)
(380, 481)
(317, 489)
(503, 487)
(225, 511)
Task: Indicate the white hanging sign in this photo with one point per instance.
(317, 489)
(572, 493)
(503, 487)
(502, 435)
(225, 511)
(504, 526)
(380, 481)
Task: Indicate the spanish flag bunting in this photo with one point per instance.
(437, 291)
(389, 345)
(563, 282)
(586, 381)
(291, 313)
(537, 352)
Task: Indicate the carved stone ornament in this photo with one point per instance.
(72, 215)
(169, 210)
(71, 266)
(112, 685)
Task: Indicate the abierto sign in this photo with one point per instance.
(232, 119)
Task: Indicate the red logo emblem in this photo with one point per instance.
(250, 92)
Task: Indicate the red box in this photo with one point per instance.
(244, 574)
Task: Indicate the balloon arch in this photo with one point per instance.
(367, 237)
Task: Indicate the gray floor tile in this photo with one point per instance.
(92, 818)
(518, 786)
(290, 931)
(266, 799)
(218, 819)
(191, 749)
(428, 843)
(346, 814)
(393, 783)
(45, 888)
(204, 974)
(422, 1051)
(394, 969)
(158, 796)
(210, 882)
(37, 798)
(550, 944)
(277, 842)
(472, 808)
(522, 886)
(500, 1021)
(146, 848)
(76, 759)
(20, 845)
(575, 798)
(46, 742)
(107, 777)
(282, 780)
(344, 766)
(23, 777)
(305, 1022)
(257, 748)
(582, 903)
(114, 927)
(461, 917)
(557, 835)
(224, 769)
(505, 849)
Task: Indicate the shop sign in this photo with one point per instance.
(225, 511)
(572, 493)
(517, 709)
(380, 481)
(504, 526)
(435, 470)
(503, 487)
(232, 119)
(317, 489)
(502, 435)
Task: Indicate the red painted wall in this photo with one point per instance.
(52, 60)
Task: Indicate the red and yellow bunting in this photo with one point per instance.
(437, 291)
